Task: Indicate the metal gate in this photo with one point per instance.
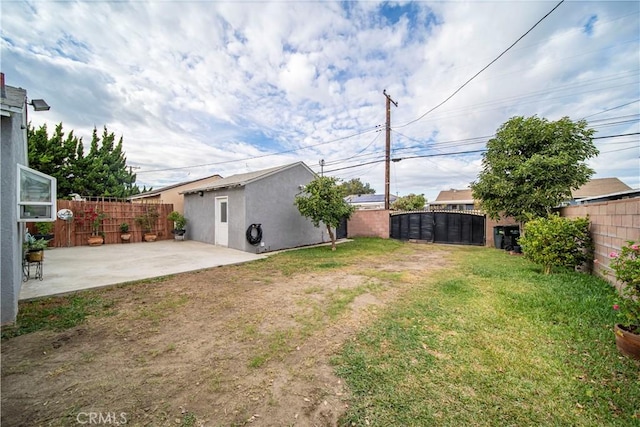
(341, 230)
(457, 227)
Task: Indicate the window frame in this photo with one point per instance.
(22, 205)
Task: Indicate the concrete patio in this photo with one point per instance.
(71, 269)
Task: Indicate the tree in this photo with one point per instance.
(532, 165)
(322, 201)
(102, 172)
(410, 202)
(356, 187)
(54, 156)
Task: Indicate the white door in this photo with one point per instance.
(222, 227)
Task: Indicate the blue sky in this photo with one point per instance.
(199, 88)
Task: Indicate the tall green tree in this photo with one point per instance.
(101, 172)
(410, 202)
(532, 165)
(322, 201)
(54, 156)
(356, 187)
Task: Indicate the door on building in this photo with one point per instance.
(222, 221)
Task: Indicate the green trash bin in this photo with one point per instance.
(498, 236)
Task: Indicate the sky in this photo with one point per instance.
(197, 88)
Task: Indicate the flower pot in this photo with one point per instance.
(95, 240)
(35, 256)
(628, 342)
(125, 237)
(150, 237)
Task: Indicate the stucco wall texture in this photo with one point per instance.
(268, 201)
(12, 152)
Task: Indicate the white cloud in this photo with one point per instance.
(193, 83)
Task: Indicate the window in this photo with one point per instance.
(36, 196)
(223, 212)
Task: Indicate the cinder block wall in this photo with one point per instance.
(369, 223)
(613, 223)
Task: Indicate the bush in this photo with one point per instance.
(178, 219)
(557, 242)
(626, 266)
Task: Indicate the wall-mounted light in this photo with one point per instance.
(39, 105)
(200, 193)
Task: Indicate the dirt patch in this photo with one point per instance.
(218, 347)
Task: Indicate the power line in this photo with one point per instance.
(487, 66)
(263, 155)
(616, 136)
(461, 153)
(612, 108)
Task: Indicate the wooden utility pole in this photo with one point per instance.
(387, 159)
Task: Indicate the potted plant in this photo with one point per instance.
(93, 217)
(125, 236)
(44, 230)
(34, 248)
(626, 266)
(179, 222)
(147, 222)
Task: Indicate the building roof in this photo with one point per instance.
(242, 179)
(600, 187)
(169, 187)
(628, 194)
(595, 187)
(457, 196)
(368, 198)
(12, 99)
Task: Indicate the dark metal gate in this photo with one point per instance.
(341, 230)
(458, 227)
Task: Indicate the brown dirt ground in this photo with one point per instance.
(231, 346)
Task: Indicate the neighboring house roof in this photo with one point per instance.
(355, 199)
(628, 194)
(242, 179)
(169, 187)
(600, 187)
(454, 197)
(595, 187)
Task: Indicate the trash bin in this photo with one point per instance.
(498, 236)
(511, 237)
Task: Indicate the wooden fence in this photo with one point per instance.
(76, 232)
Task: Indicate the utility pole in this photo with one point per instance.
(321, 163)
(387, 158)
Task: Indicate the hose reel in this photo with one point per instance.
(254, 234)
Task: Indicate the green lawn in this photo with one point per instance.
(493, 342)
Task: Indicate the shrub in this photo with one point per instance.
(557, 242)
(626, 265)
(178, 219)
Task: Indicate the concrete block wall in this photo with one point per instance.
(613, 223)
(369, 223)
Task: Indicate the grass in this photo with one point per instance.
(489, 342)
(56, 313)
(493, 342)
(321, 258)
